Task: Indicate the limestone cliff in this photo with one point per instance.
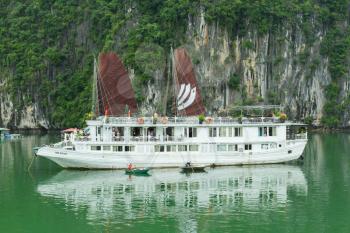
(271, 69)
(299, 60)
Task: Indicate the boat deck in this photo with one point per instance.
(189, 121)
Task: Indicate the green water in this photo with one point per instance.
(312, 196)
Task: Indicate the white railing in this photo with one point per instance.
(187, 120)
(82, 138)
(144, 139)
(118, 138)
(133, 139)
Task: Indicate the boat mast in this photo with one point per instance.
(173, 68)
(95, 105)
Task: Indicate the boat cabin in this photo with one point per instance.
(122, 134)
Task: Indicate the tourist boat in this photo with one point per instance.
(5, 134)
(118, 137)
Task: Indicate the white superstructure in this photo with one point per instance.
(115, 142)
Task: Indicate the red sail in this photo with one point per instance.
(188, 97)
(115, 92)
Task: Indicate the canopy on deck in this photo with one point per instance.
(70, 130)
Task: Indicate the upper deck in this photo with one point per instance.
(189, 121)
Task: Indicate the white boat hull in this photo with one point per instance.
(93, 160)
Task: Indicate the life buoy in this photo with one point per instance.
(164, 120)
(208, 120)
(140, 120)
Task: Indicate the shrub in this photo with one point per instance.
(234, 82)
(201, 118)
(308, 120)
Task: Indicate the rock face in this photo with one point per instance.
(273, 68)
(270, 68)
(30, 117)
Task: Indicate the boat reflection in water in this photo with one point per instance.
(112, 194)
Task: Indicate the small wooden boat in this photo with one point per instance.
(188, 169)
(137, 171)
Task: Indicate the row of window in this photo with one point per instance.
(267, 131)
(225, 132)
(114, 148)
(182, 148)
(172, 148)
(191, 132)
(219, 147)
(234, 147)
(227, 147)
(269, 146)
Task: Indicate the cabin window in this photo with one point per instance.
(118, 131)
(262, 132)
(267, 131)
(159, 148)
(230, 132)
(221, 147)
(169, 132)
(234, 132)
(193, 147)
(118, 148)
(182, 148)
(129, 148)
(264, 146)
(136, 131)
(273, 145)
(190, 132)
(222, 132)
(151, 132)
(248, 146)
(170, 148)
(212, 132)
(95, 147)
(232, 147)
(238, 132)
(106, 148)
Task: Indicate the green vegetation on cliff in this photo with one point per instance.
(47, 47)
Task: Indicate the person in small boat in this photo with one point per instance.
(188, 164)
